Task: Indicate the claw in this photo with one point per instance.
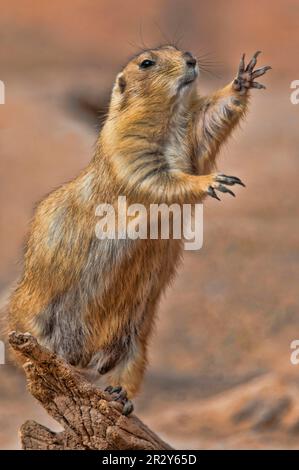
(229, 180)
(111, 389)
(258, 85)
(242, 64)
(253, 62)
(122, 395)
(128, 408)
(211, 192)
(261, 71)
(224, 189)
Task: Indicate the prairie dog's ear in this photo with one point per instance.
(121, 82)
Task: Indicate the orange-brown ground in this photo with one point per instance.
(220, 374)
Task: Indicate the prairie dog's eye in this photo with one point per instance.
(146, 63)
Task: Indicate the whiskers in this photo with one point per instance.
(208, 65)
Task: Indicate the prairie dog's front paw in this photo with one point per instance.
(247, 74)
(220, 182)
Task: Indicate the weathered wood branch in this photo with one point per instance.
(89, 417)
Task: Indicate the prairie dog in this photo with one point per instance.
(94, 301)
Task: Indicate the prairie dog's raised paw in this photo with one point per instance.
(120, 395)
(246, 75)
(220, 182)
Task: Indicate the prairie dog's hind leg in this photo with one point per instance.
(125, 379)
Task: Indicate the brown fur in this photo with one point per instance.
(94, 301)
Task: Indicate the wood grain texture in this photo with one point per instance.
(88, 416)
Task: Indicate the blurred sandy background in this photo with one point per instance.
(220, 373)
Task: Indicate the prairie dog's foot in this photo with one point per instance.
(220, 182)
(247, 74)
(120, 395)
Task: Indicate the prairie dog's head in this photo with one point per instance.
(155, 74)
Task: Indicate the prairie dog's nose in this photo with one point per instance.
(190, 60)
